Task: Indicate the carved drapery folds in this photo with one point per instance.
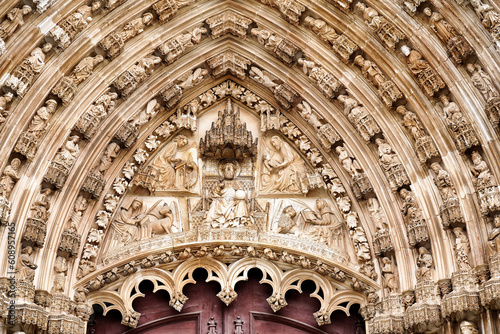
(172, 49)
(65, 31)
(427, 77)
(464, 135)
(416, 226)
(228, 22)
(67, 86)
(382, 242)
(463, 302)
(30, 139)
(291, 10)
(487, 188)
(129, 80)
(388, 91)
(389, 34)
(89, 122)
(283, 93)
(392, 166)
(94, 183)
(129, 131)
(490, 19)
(284, 49)
(357, 114)
(9, 179)
(325, 81)
(166, 9)
(451, 214)
(114, 42)
(36, 225)
(359, 181)
(324, 130)
(14, 19)
(484, 83)
(59, 168)
(228, 61)
(5, 100)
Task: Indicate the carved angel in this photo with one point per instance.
(193, 78)
(347, 160)
(262, 77)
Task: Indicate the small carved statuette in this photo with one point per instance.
(382, 242)
(65, 31)
(456, 44)
(450, 211)
(238, 325)
(89, 122)
(462, 249)
(416, 226)
(94, 183)
(166, 9)
(36, 226)
(488, 192)
(388, 272)
(424, 264)
(388, 91)
(4, 101)
(23, 75)
(464, 135)
(411, 5)
(326, 132)
(7, 182)
(321, 225)
(129, 80)
(193, 78)
(26, 265)
(389, 34)
(467, 327)
(60, 269)
(229, 61)
(212, 326)
(291, 10)
(114, 42)
(13, 21)
(172, 49)
(490, 19)
(427, 77)
(283, 48)
(424, 145)
(483, 82)
(28, 143)
(391, 164)
(59, 168)
(359, 181)
(67, 86)
(325, 81)
(365, 124)
(129, 131)
(228, 22)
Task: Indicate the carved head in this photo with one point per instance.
(96, 5)
(26, 9)
(476, 157)
(406, 50)
(229, 171)
(444, 99)
(46, 47)
(359, 60)
(51, 105)
(276, 142)
(361, 6)
(290, 211)
(181, 141)
(436, 167)
(320, 204)
(147, 18)
(15, 163)
(423, 250)
(401, 110)
(309, 21)
(467, 327)
(8, 96)
(404, 193)
(136, 204)
(427, 11)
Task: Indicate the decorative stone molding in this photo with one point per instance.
(228, 22)
(228, 61)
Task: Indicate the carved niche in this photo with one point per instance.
(172, 49)
(228, 61)
(36, 225)
(129, 80)
(89, 122)
(427, 77)
(59, 168)
(228, 22)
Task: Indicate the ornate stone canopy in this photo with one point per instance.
(352, 144)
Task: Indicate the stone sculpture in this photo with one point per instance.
(14, 19)
(365, 124)
(391, 164)
(464, 135)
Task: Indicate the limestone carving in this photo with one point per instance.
(229, 206)
(360, 183)
(382, 242)
(450, 211)
(65, 31)
(114, 42)
(228, 22)
(59, 168)
(427, 77)
(25, 265)
(391, 164)
(7, 182)
(70, 239)
(358, 115)
(14, 19)
(129, 131)
(424, 145)
(129, 80)
(325, 81)
(172, 49)
(287, 222)
(456, 44)
(490, 19)
(263, 77)
(89, 122)
(43, 5)
(167, 171)
(322, 226)
(326, 133)
(416, 225)
(483, 82)
(94, 183)
(388, 91)
(23, 75)
(494, 236)
(424, 264)
(462, 249)
(2, 47)
(361, 246)
(412, 5)
(488, 192)
(166, 9)
(36, 226)
(193, 78)
(283, 48)
(28, 143)
(467, 327)
(229, 61)
(390, 279)
(342, 44)
(67, 86)
(290, 9)
(389, 34)
(60, 269)
(282, 168)
(171, 94)
(464, 135)
(4, 101)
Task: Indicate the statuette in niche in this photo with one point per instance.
(359, 181)
(4, 101)
(490, 19)
(326, 133)
(290, 9)
(67, 86)
(388, 272)
(494, 236)
(228, 22)
(193, 78)
(60, 269)
(467, 327)
(488, 192)
(416, 226)
(59, 168)
(36, 226)
(391, 164)
(65, 31)
(94, 183)
(464, 135)
(483, 82)
(389, 34)
(25, 265)
(172, 49)
(228, 61)
(282, 168)
(427, 77)
(23, 75)
(166, 9)
(456, 44)
(27, 145)
(114, 42)
(462, 249)
(382, 242)
(13, 21)
(325, 81)
(7, 182)
(388, 91)
(358, 115)
(424, 264)
(424, 145)
(450, 211)
(89, 122)
(129, 80)
(283, 48)
(129, 131)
